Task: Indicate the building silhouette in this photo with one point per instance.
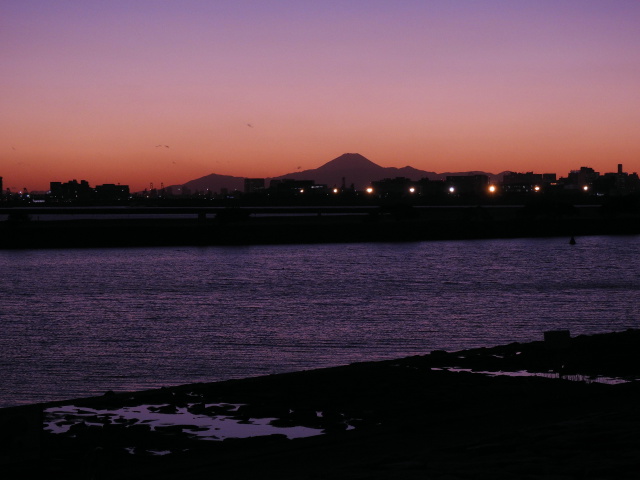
(513, 182)
(467, 184)
(111, 192)
(70, 191)
(81, 192)
(394, 187)
(252, 185)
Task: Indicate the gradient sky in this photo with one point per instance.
(259, 88)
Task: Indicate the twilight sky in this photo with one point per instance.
(89, 88)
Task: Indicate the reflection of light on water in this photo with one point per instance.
(523, 373)
(252, 318)
(159, 452)
(132, 451)
(219, 427)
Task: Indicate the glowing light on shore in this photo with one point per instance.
(452, 189)
(412, 190)
(369, 190)
(492, 189)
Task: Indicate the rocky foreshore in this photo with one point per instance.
(432, 416)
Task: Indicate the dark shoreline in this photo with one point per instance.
(411, 419)
(397, 224)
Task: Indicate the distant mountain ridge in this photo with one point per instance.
(352, 168)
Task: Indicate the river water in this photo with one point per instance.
(79, 322)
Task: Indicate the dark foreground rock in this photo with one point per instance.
(407, 418)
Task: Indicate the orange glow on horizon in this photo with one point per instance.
(168, 93)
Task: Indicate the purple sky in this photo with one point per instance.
(89, 88)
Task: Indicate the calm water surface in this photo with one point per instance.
(81, 322)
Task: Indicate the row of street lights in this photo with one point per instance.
(490, 189)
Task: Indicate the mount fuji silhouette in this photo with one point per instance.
(358, 170)
(349, 168)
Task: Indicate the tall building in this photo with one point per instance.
(464, 184)
(112, 192)
(399, 186)
(526, 182)
(582, 178)
(71, 190)
(253, 184)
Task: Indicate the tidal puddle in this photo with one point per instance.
(524, 373)
(59, 420)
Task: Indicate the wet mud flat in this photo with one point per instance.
(430, 416)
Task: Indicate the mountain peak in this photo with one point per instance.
(349, 161)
